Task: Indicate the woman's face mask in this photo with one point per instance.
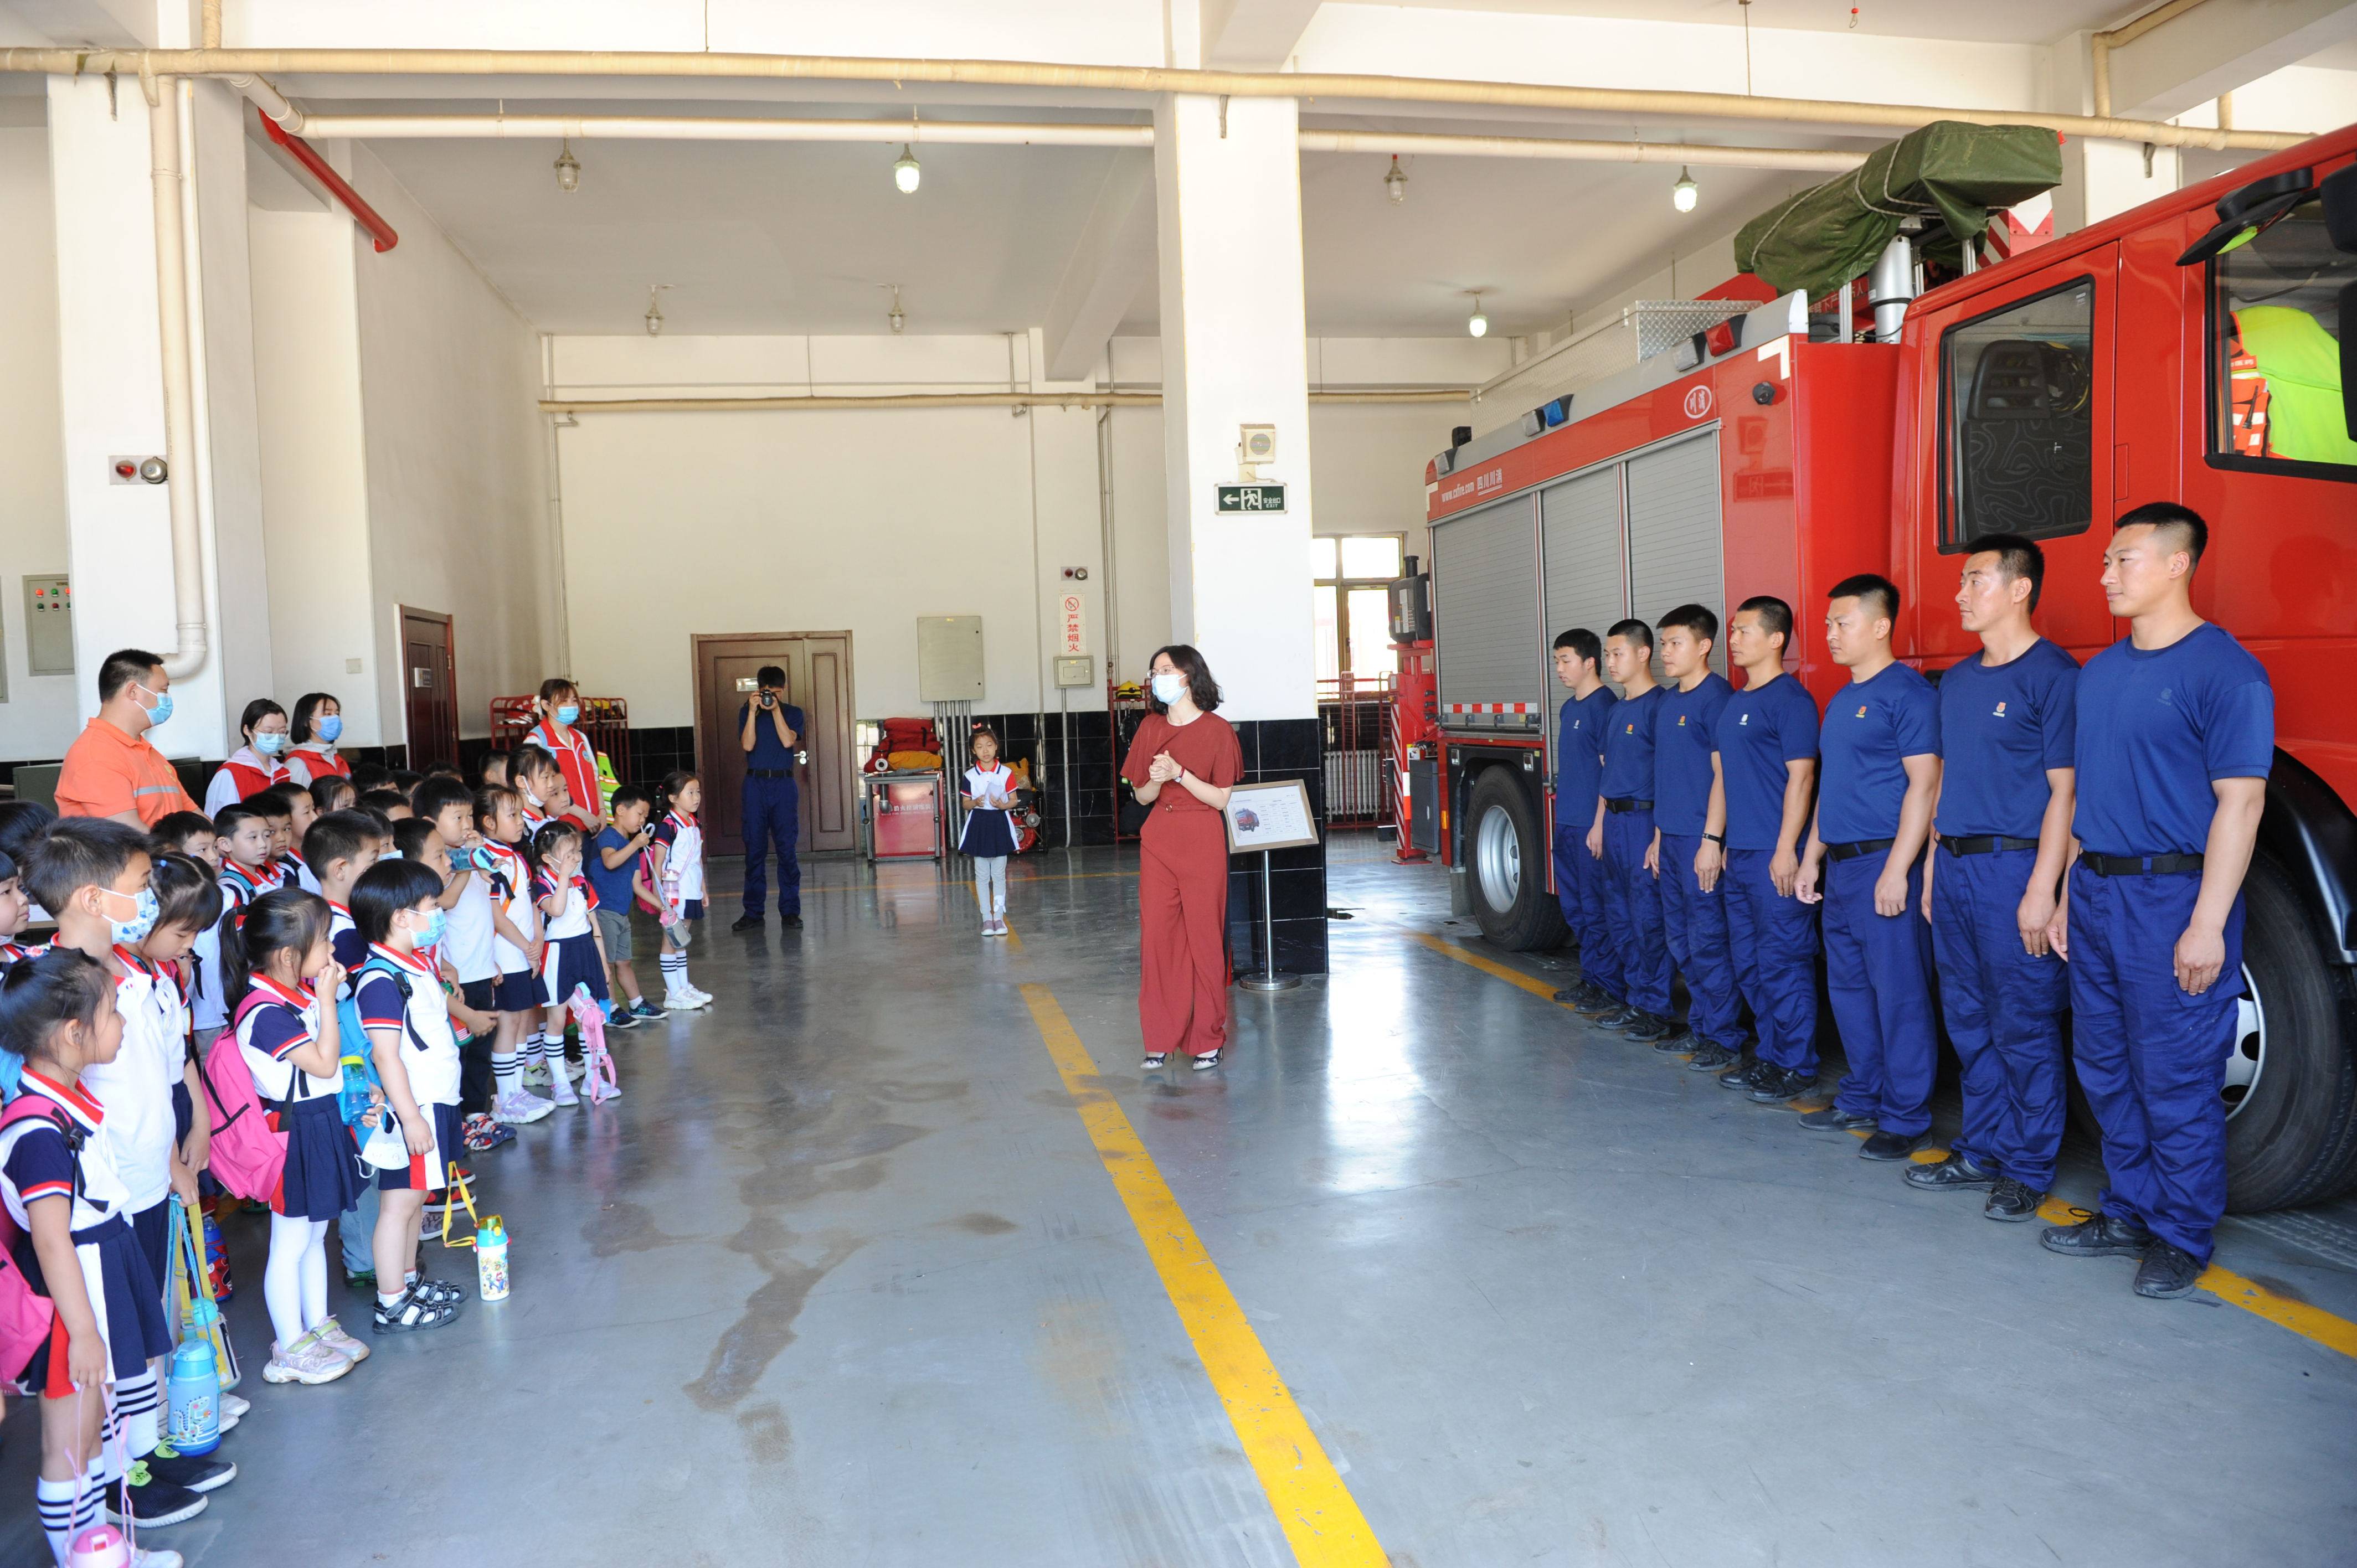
(328, 727)
(270, 741)
(1169, 687)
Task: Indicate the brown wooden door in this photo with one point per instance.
(429, 684)
(818, 681)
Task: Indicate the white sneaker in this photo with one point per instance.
(156, 1557)
(517, 1109)
(331, 1334)
(304, 1361)
(231, 1407)
(575, 1071)
(535, 1075)
(703, 997)
(561, 1093)
(689, 999)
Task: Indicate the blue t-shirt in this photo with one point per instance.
(2000, 730)
(1682, 742)
(1761, 729)
(612, 887)
(1871, 725)
(1629, 748)
(769, 752)
(1579, 755)
(2156, 726)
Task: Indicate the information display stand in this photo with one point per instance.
(1266, 818)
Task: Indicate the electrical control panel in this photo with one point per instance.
(48, 625)
(949, 658)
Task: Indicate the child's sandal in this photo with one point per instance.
(440, 1292)
(410, 1313)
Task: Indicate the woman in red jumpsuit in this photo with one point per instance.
(1180, 766)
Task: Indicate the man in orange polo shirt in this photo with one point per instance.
(110, 770)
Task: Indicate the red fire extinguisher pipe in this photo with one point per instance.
(367, 217)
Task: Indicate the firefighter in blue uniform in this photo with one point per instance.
(1768, 777)
(770, 730)
(2175, 739)
(1880, 750)
(1623, 834)
(1578, 773)
(1688, 853)
(2002, 832)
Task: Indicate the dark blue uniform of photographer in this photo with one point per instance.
(771, 729)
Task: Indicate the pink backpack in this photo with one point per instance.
(248, 1153)
(25, 1315)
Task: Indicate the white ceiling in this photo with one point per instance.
(1986, 21)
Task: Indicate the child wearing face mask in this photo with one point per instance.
(560, 710)
(258, 764)
(317, 725)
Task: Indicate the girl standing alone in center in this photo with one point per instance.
(989, 835)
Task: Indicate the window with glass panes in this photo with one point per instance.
(1352, 599)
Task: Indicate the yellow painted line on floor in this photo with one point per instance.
(1014, 940)
(2308, 1322)
(1319, 1517)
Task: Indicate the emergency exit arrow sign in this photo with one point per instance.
(1251, 498)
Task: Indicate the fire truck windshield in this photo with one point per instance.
(2276, 326)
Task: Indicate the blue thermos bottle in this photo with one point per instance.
(193, 1388)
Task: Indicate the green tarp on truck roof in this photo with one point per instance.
(1948, 171)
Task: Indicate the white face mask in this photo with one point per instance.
(1169, 687)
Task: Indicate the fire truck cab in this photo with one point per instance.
(2200, 349)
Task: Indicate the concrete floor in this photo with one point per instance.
(841, 1282)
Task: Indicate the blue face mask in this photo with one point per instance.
(270, 742)
(1169, 687)
(162, 712)
(127, 933)
(437, 924)
(328, 728)
(568, 714)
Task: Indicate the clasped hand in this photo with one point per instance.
(1162, 769)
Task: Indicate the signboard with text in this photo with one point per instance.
(1235, 498)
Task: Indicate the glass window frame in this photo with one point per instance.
(1945, 472)
(2214, 391)
(1342, 586)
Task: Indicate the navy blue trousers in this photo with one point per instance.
(2004, 1011)
(1634, 903)
(1773, 938)
(2152, 1058)
(772, 816)
(1579, 889)
(1694, 925)
(1879, 975)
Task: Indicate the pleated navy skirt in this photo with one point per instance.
(322, 1179)
(135, 1327)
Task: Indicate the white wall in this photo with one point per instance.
(39, 718)
(456, 466)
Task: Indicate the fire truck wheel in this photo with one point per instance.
(2291, 1082)
(1508, 856)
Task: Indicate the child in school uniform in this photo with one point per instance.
(189, 834)
(58, 1184)
(317, 725)
(573, 955)
(676, 873)
(399, 906)
(515, 948)
(446, 807)
(258, 764)
(334, 793)
(94, 875)
(341, 845)
(989, 835)
(282, 979)
(16, 914)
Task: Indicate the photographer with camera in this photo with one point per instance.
(771, 729)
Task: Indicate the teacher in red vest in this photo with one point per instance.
(1180, 766)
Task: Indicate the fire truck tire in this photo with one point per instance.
(2291, 1131)
(1507, 854)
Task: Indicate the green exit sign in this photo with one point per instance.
(1251, 498)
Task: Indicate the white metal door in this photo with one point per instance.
(1674, 545)
(1485, 612)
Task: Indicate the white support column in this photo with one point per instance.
(1234, 352)
(2100, 179)
(112, 399)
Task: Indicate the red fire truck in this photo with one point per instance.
(2184, 350)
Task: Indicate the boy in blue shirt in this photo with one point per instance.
(1688, 849)
(1880, 750)
(1622, 835)
(2002, 826)
(1767, 781)
(615, 871)
(1579, 779)
(2176, 736)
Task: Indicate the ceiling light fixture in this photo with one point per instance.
(1477, 324)
(568, 169)
(904, 172)
(898, 318)
(654, 308)
(1396, 182)
(1683, 194)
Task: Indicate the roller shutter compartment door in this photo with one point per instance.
(1674, 543)
(1485, 606)
(1587, 572)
